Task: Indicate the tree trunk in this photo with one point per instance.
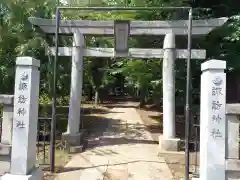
(142, 97)
(96, 97)
(90, 93)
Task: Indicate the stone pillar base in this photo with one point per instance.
(35, 175)
(74, 141)
(169, 144)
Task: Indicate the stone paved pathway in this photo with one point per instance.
(123, 152)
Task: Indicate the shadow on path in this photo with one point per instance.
(69, 169)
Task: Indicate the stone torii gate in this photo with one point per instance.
(169, 53)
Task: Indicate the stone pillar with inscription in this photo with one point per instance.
(212, 122)
(73, 136)
(25, 118)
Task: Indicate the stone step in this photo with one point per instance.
(4, 164)
(5, 158)
(5, 149)
(5, 145)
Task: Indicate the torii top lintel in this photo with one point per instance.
(89, 27)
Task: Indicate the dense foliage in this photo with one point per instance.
(140, 78)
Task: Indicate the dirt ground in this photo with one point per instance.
(175, 160)
(115, 149)
(93, 119)
(176, 163)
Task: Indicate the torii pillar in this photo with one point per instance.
(73, 134)
(169, 141)
(168, 75)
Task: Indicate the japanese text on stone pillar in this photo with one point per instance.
(21, 100)
(216, 106)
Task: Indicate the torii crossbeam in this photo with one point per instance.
(133, 53)
(89, 27)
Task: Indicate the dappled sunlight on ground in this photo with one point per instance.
(122, 149)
